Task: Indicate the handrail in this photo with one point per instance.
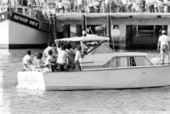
(29, 11)
(86, 62)
(3, 8)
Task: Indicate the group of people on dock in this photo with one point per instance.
(113, 6)
(56, 57)
(95, 6)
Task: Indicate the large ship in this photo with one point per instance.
(23, 26)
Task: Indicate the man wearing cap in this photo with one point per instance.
(163, 45)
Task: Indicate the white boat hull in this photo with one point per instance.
(18, 35)
(138, 77)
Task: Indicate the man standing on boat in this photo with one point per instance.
(163, 45)
(78, 57)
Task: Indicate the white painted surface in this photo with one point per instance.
(168, 30)
(21, 34)
(31, 80)
(4, 31)
(72, 30)
(136, 77)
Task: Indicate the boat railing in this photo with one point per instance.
(31, 12)
(23, 10)
(3, 8)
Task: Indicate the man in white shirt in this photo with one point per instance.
(165, 6)
(29, 3)
(160, 6)
(60, 6)
(62, 59)
(163, 45)
(107, 6)
(27, 60)
(125, 4)
(79, 5)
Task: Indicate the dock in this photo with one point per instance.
(137, 29)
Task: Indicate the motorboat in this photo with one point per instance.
(114, 70)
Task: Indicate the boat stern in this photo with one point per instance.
(30, 80)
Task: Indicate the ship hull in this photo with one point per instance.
(16, 34)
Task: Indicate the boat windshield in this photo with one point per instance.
(91, 44)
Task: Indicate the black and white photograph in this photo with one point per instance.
(84, 56)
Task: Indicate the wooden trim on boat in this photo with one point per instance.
(129, 68)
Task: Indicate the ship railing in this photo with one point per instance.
(31, 12)
(3, 8)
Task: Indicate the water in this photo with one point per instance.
(128, 101)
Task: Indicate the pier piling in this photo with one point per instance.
(55, 26)
(109, 31)
(52, 28)
(84, 25)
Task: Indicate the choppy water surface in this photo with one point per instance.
(128, 101)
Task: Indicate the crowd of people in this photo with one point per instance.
(112, 6)
(60, 57)
(89, 6)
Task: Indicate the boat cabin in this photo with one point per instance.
(115, 60)
(102, 56)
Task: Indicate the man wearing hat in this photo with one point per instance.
(163, 45)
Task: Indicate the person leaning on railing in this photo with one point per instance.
(60, 7)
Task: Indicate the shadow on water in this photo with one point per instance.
(111, 89)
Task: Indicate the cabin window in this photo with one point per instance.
(138, 61)
(132, 61)
(20, 10)
(111, 63)
(122, 62)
